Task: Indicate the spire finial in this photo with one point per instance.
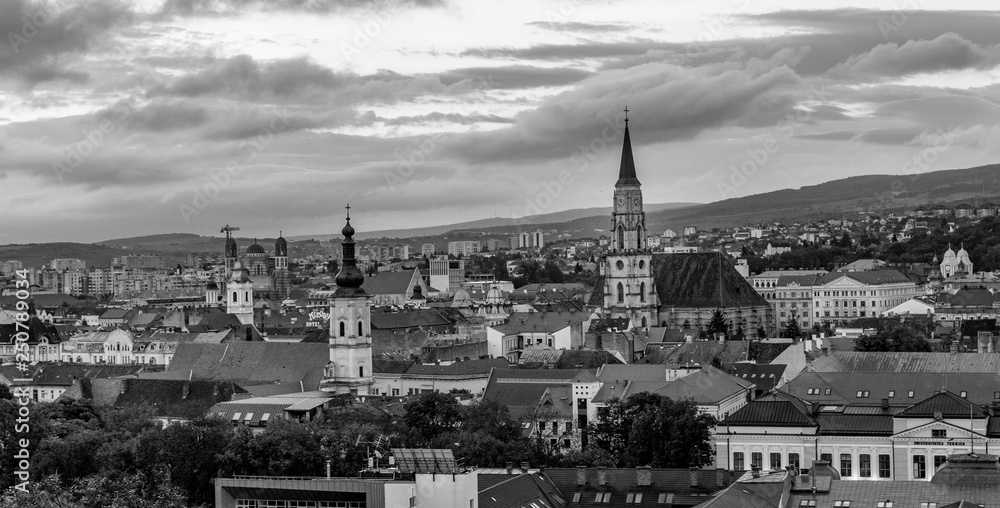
(626, 115)
(348, 211)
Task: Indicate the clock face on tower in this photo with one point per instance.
(637, 201)
(621, 202)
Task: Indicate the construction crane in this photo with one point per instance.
(228, 230)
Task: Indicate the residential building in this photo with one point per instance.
(839, 297)
(463, 248)
(63, 264)
(396, 378)
(427, 250)
(543, 330)
(447, 275)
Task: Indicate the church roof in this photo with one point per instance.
(388, 283)
(255, 249)
(626, 174)
(701, 279)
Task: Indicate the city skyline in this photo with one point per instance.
(121, 119)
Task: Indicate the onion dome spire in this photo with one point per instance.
(350, 278)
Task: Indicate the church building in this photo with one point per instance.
(672, 290)
(269, 273)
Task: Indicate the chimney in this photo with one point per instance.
(510, 468)
(185, 390)
(755, 471)
(720, 478)
(694, 477)
(328, 471)
(885, 404)
(602, 476)
(644, 476)
(581, 475)
(524, 467)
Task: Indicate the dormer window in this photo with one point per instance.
(884, 504)
(841, 504)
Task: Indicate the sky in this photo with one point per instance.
(122, 119)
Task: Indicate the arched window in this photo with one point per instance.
(234, 298)
(246, 296)
(361, 330)
(642, 296)
(621, 293)
(643, 322)
(343, 329)
(639, 237)
(621, 236)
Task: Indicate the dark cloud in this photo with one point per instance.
(947, 52)
(669, 103)
(514, 76)
(458, 118)
(244, 77)
(38, 38)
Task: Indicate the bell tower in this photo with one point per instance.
(349, 370)
(629, 290)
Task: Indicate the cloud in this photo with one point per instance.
(947, 52)
(37, 37)
(216, 7)
(668, 103)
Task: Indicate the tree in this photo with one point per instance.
(648, 429)
(718, 324)
(894, 337)
(761, 333)
(792, 330)
(429, 415)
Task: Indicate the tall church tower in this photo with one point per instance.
(281, 276)
(629, 290)
(239, 295)
(349, 370)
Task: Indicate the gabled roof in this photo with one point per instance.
(253, 363)
(674, 484)
(37, 329)
(776, 409)
(946, 404)
(764, 376)
(535, 358)
(389, 283)
(893, 386)
(63, 374)
(701, 279)
(463, 368)
(165, 397)
(708, 386)
(873, 277)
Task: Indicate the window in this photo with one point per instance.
(756, 460)
(738, 464)
(807, 502)
(841, 504)
(665, 498)
(793, 460)
(845, 465)
(265, 417)
(603, 497)
(884, 504)
(865, 465)
(343, 329)
(928, 505)
(827, 392)
(361, 329)
(576, 497)
(892, 393)
(919, 466)
(775, 461)
(621, 293)
(963, 394)
(939, 433)
(884, 468)
(939, 461)
(909, 394)
(828, 457)
(642, 298)
(361, 371)
(395, 392)
(569, 426)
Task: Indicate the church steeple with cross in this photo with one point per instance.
(628, 283)
(628, 218)
(349, 370)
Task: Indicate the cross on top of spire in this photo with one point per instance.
(626, 114)
(348, 211)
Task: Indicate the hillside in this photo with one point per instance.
(39, 254)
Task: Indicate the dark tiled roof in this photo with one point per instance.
(948, 404)
(540, 321)
(523, 388)
(856, 361)
(765, 376)
(515, 491)
(967, 297)
(391, 366)
(702, 279)
(597, 296)
(748, 495)
(463, 368)
(389, 283)
(626, 172)
(704, 351)
(775, 410)
(42, 301)
(62, 374)
(873, 277)
(844, 386)
(187, 399)
(36, 330)
(410, 319)
(253, 363)
(865, 493)
(622, 481)
(855, 425)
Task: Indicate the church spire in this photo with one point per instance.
(626, 174)
(350, 278)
